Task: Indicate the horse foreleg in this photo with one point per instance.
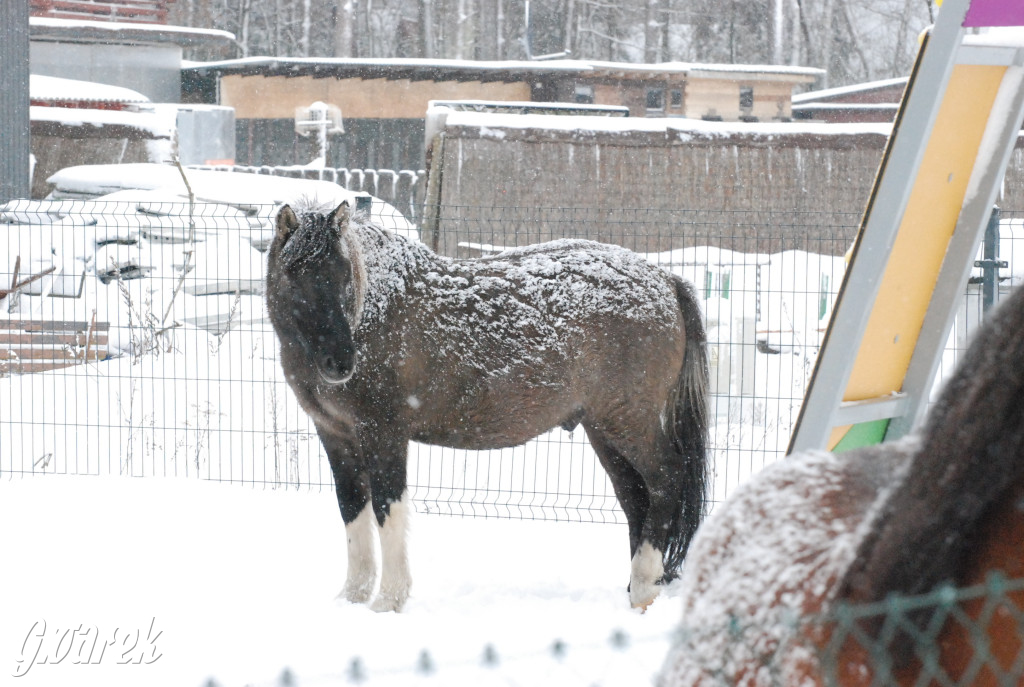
(353, 492)
(396, 579)
(361, 577)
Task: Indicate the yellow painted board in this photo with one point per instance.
(923, 236)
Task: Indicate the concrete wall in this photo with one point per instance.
(710, 97)
(259, 97)
(153, 70)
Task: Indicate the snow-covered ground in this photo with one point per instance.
(189, 580)
(227, 555)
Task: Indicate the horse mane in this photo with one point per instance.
(323, 228)
(971, 454)
(315, 235)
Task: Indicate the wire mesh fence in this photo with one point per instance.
(950, 636)
(148, 316)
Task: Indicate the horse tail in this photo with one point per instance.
(688, 429)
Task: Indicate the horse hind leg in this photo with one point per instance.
(650, 483)
(671, 521)
(631, 491)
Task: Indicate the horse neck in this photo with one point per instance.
(389, 262)
(972, 450)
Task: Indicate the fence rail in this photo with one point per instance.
(621, 660)
(191, 384)
(404, 189)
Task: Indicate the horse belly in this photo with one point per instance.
(494, 420)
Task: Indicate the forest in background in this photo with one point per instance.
(854, 40)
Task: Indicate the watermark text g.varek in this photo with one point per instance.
(86, 645)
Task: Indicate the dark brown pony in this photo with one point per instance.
(770, 569)
(385, 342)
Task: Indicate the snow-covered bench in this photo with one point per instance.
(39, 345)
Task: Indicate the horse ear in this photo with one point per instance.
(340, 216)
(287, 222)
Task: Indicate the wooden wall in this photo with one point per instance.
(744, 192)
(660, 190)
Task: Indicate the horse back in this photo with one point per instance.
(524, 338)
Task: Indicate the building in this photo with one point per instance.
(116, 42)
(384, 101)
(874, 101)
(106, 87)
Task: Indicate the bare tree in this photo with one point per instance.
(343, 22)
(854, 40)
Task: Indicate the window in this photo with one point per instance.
(746, 99)
(655, 98)
(584, 95)
(676, 98)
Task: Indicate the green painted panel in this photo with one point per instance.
(864, 434)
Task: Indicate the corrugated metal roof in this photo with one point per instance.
(52, 91)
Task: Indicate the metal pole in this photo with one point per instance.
(14, 101)
(990, 262)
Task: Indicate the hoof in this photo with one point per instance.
(356, 594)
(389, 603)
(647, 571)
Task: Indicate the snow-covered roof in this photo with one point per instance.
(397, 64)
(84, 30)
(833, 107)
(706, 69)
(845, 91)
(394, 67)
(53, 90)
(155, 122)
(683, 128)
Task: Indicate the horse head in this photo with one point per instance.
(313, 294)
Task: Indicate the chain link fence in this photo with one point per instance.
(950, 636)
